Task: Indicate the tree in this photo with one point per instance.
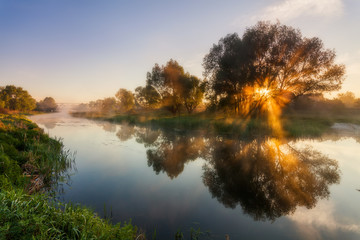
(15, 98)
(108, 105)
(166, 80)
(147, 97)
(126, 99)
(47, 105)
(192, 92)
(175, 87)
(269, 61)
(347, 98)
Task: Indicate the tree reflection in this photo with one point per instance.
(172, 152)
(107, 126)
(125, 132)
(167, 152)
(266, 178)
(147, 136)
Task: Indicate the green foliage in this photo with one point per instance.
(192, 92)
(26, 152)
(15, 98)
(27, 217)
(307, 126)
(10, 172)
(147, 97)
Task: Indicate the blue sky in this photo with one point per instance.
(76, 51)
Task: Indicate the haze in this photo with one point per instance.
(77, 51)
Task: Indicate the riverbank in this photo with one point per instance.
(30, 164)
(294, 125)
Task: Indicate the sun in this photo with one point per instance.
(263, 92)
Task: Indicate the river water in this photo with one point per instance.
(261, 188)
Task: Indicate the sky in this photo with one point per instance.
(78, 51)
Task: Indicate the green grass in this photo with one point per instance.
(314, 125)
(31, 161)
(26, 152)
(307, 127)
(35, 217)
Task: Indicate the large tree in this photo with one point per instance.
(16, 98)
(270, 61)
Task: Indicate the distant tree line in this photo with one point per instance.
(270, 63)
(167, 87)
(17, 99)
(47, 105)
(317, 103)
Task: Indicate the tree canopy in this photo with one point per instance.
(16, 98)
(176, 87)
(147, 97)
(270, 60)
(126, 99)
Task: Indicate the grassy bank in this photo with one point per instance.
(30, 163)
(294, 125)
(24, 216)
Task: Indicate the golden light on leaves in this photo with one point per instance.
(266, 100)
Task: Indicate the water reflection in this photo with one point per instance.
(267, 177)
(117, 175)
(125, 132)
(171, 152)
(107, 126)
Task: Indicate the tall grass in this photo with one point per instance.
(35, 217)
(27, 153)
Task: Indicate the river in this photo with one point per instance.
(263, 188)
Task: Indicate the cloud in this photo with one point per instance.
(310, 223)
(291, 9)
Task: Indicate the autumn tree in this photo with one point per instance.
(175, 86)
(126, 99)
(108, 105)
(16, 98)
(47, 105)
(271, 61)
